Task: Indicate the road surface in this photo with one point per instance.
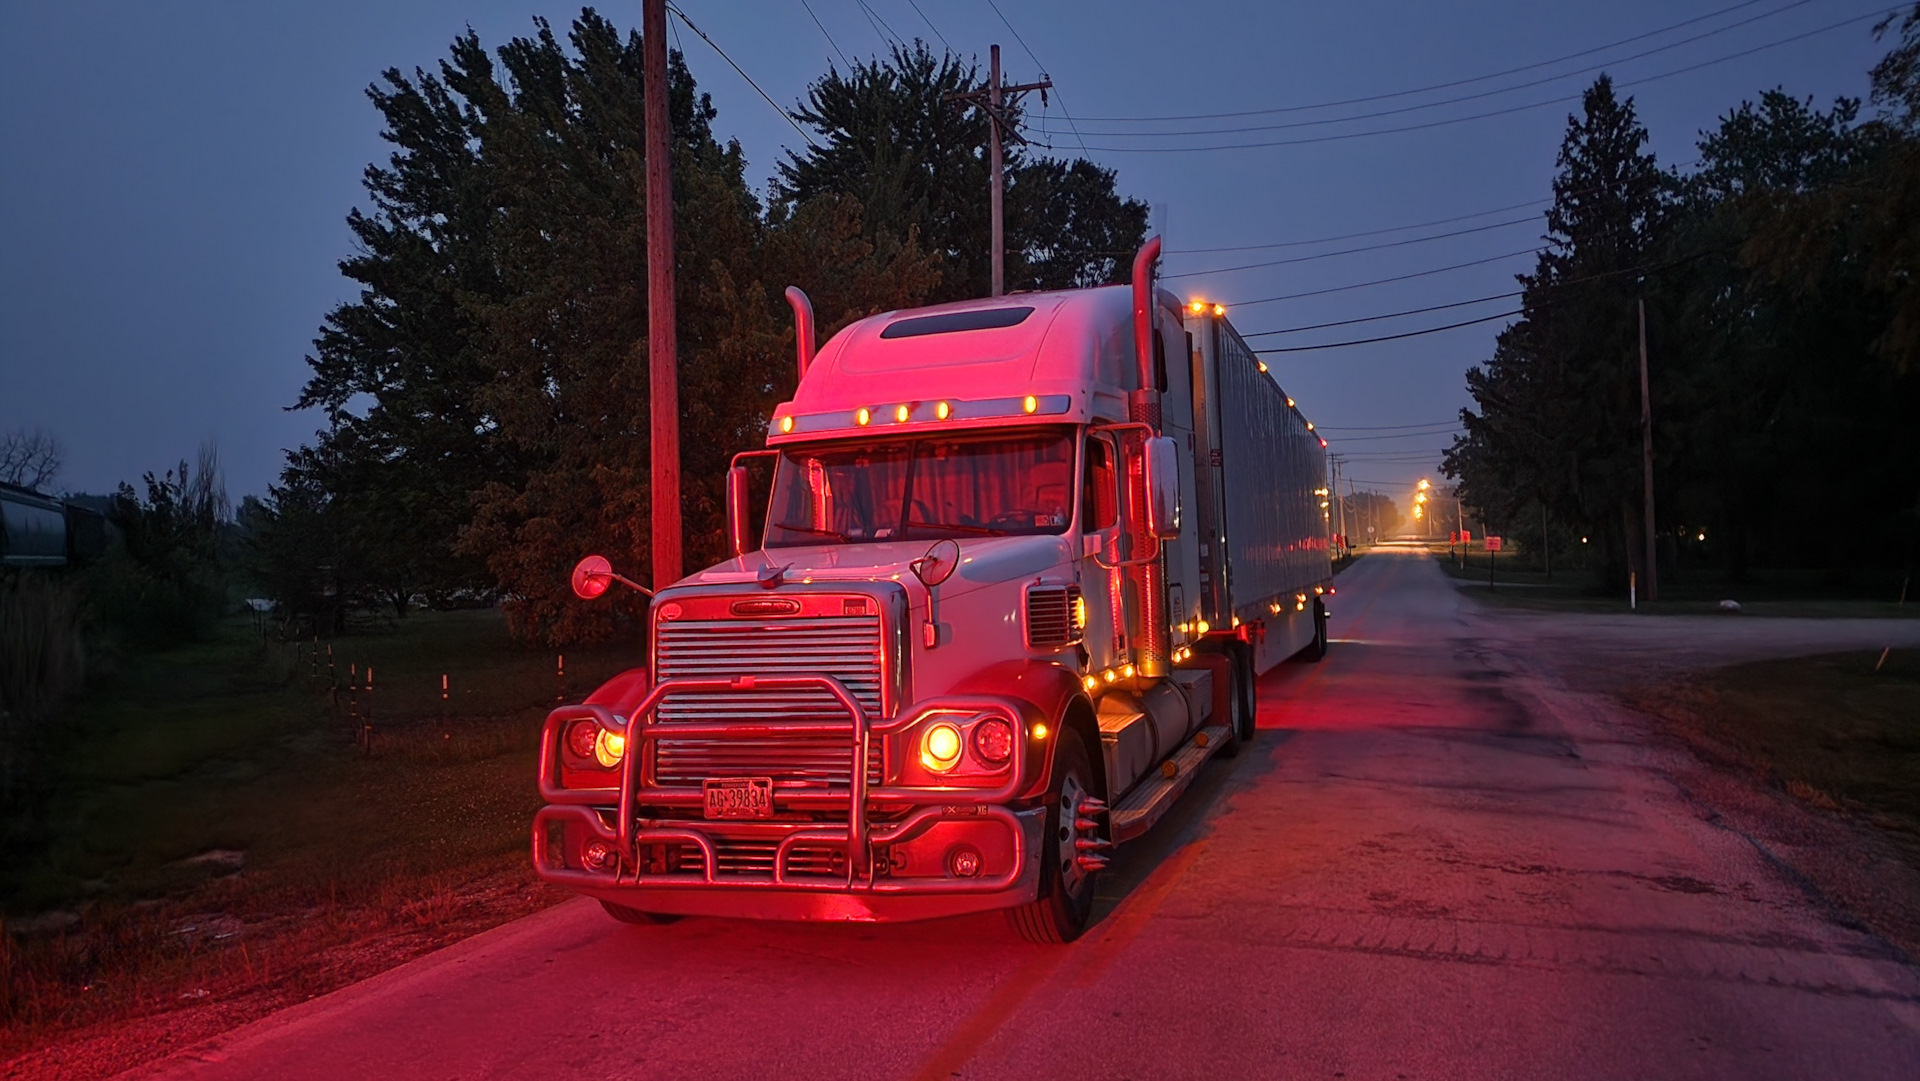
(1438, 861)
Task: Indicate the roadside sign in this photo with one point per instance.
(1493, 544)
(1466, 536)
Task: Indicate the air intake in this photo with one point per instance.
(1054, 616)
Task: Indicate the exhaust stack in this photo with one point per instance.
(802, 327)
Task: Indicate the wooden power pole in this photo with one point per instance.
(662, 350)
(997, 101)
(1646, 456)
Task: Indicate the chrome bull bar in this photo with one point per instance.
(856, 837)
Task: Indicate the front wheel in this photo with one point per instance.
(1069, 852)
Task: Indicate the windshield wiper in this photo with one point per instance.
(816, 531)
(980, 529)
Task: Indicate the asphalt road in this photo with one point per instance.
(1438, 861)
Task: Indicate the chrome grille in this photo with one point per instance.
(1050, 619)
(847, 648)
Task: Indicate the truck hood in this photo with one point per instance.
(984, 561)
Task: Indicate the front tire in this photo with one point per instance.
(1061, 911)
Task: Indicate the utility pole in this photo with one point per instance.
(662, 350)
(1646, 455)
(999, 102)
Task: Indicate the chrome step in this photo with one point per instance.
(1146, 804)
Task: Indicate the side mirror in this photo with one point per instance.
(1162, 460)
(591, 577)
(938, 565)
(594, 575)
(740, 537)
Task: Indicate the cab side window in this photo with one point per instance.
(1098, 503)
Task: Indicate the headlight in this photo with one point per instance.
(993, 741)
(609, 748)
(940, 747)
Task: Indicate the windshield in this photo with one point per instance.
(907, 489)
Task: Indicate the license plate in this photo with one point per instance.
(738, 797)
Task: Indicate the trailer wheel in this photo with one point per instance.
(1065, 901)
(1318, 648)
(634, 915)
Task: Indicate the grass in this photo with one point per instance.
(218, 838)
(1829, 730)
(1696, 591)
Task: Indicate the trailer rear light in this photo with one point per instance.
(993, 741)
(940, 748)
(609, 748)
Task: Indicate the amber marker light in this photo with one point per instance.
(901, 413)
(1040, 731)
(862, 416)
(1090, 683)
(1128, 670)
(1029, 404)
(1203, 627)
(1262, 363)
(1198, 307)
(1219, 309)
(786, 424)
(940, 751)
(942, 411)
(1289, 403)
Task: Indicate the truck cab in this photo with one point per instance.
(984, 631)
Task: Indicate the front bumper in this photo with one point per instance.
(866, 853)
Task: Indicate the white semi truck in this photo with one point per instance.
(1025, 559)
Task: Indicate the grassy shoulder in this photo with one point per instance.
(1829, 730)
(1509, 584)
(216, 838)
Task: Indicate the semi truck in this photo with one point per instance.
(1021, 564)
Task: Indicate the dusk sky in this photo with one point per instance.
(176, 177)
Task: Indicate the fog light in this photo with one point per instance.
(940, 750)
(581, 737)
(963, 861)
(609, 748)
(993, 741)
(596, 856)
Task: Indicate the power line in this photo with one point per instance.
(1350, 251)
(1354, 236)
(1389, 427)
(1342, 136)
(1386, 281)
(879, 25)
(1436, 86)
(930, 26)
(1407, 435)
(1497, 91)
(824, 34)
(1043, 76)
(1389, 337)
(1388, 315)
(756, 86)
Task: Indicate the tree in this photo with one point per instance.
(29, 458)
(1559, 403)
(487, 394)
(893, 136)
